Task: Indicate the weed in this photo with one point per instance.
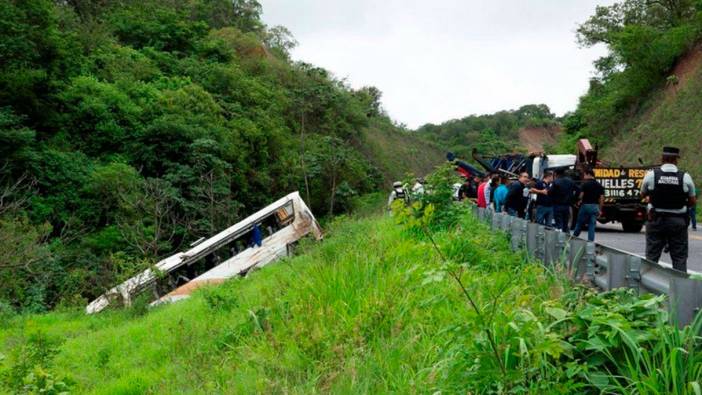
(220, 298)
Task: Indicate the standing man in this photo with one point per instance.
(544, 203)
(481, 192)
(490, 187)
(418, 188)
(464, 191)
(501, 195)
(398, 192)
(515, 203)
(671, 193)
(591, 201)
(562, 192)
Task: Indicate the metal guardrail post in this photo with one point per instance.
(475, 211)
(576, 253)
(550, 245)
(560, 245)
(515, 234)
(506, 223)
(617, 270)
(601, 271)
(541, 243)
(496, 220)
(590, 260)
(487, 216)
(685, 298)
(633, 275)
(523, 229)
(531, 238)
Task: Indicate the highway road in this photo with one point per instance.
(613, 236)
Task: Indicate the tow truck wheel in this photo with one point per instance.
(632, 226)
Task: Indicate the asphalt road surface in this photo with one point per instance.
(612, 235)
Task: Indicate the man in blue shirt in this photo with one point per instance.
(501, 195)
(544, 203)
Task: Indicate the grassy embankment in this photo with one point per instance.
(372, 309)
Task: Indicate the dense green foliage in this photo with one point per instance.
(645, 39)
(373, 309)
(129, 128)
(490, 133)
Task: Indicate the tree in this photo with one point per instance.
(148, 220)
(280, 40)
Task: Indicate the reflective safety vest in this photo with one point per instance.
(668, 190)
(400, 194)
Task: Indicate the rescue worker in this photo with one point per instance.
(515, 203)
(398, 192)
(464, 191)
(591, 203)
(562, 193)
(671, 193)
(418, 188)
(544, 203)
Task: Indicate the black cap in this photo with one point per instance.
(671, 151)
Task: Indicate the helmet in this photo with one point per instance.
(397, 184)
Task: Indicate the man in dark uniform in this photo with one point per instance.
(671, 192)
(562, 193)
(516, 202)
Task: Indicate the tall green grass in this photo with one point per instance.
(371, 309)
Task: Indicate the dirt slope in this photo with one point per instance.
(396, 153)
(672, 116)
(534, 139)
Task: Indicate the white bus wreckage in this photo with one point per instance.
(254, 242)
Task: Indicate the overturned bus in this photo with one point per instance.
(254, 242)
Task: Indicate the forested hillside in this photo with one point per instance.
(130, 128)
(647, 91)
(494, 133)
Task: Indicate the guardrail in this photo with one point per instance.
(601, 265)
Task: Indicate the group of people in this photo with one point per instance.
(669, 193)
(399, 191)
(547, 201)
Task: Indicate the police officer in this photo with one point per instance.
(398, 192)
(671, 192)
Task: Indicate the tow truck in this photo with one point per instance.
(622, 185)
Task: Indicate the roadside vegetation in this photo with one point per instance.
(646, 40)
(426, 300)
(496, 133)
(130, 128)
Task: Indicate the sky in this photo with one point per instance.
(445, 59)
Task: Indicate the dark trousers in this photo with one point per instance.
(544, 215)
(671, 231)
(693, 217)
(561, 215)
